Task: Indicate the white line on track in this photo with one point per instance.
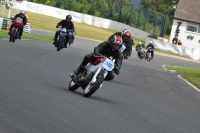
(164, 67)
(180, 76)
(189, 83)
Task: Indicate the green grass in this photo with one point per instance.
(83, 30)
(191, 74)
(3, 34)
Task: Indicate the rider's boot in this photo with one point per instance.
(79, 69)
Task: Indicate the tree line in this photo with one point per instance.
(119, 10)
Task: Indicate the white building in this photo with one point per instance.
(188, 16)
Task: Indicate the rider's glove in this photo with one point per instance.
(116, 70)
(57, 26)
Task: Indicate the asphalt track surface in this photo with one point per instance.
(144, 98)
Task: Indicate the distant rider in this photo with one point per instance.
(126, 36)
(150, 45)
(106, 48)
(68, 24)
(20, 15)
(138, 48)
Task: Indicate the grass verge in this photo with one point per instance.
(3, 34)
(83, 30)
(191, 74)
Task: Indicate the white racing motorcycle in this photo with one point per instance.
(93, 76)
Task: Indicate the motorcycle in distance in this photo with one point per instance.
(93, 76)
(62, 38)
(142, 53)
(148, 54)
(17, 24)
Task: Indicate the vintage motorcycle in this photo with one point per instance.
(61, 39)
(142, 53)
(148, 54)
(17, 24)
(93, 76)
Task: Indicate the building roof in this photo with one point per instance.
(188, 10)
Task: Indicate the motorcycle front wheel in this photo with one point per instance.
(91, 88)
(73, 86)
(12, 36)
(59, 43)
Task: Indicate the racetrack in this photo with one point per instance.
(143, 99)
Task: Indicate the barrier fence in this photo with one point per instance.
(192, 53)
(125, 12)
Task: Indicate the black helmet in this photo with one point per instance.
(69, 17)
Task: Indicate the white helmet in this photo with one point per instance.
(22, 12)
(139, 43)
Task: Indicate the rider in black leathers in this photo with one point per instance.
(126, 35)
(106, 48)
(20, 15)
(68, 24)
(150, 45)
(138, 48)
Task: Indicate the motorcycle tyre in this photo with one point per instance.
(74, 87)
(59, 43)
(95, 86)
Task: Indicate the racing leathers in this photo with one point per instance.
(127, 52)
(103, 49)
(68, 26)
(138, 48)
(151, 46)
(24, 23)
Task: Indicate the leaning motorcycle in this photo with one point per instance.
(93, 76)
(142, 54)
(148, 54)
(17, 25)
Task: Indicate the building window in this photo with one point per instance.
(193, 28)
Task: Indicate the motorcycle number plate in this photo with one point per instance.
(108, 65)
(63, 31)
(122, 48)
(149, 49)
(142, 50)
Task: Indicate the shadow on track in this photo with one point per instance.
(93, 97)
(121, 83)
(104, 100)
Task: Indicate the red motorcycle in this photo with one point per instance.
(17, 25)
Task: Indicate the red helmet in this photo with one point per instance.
(126, 35)
(116, 42)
